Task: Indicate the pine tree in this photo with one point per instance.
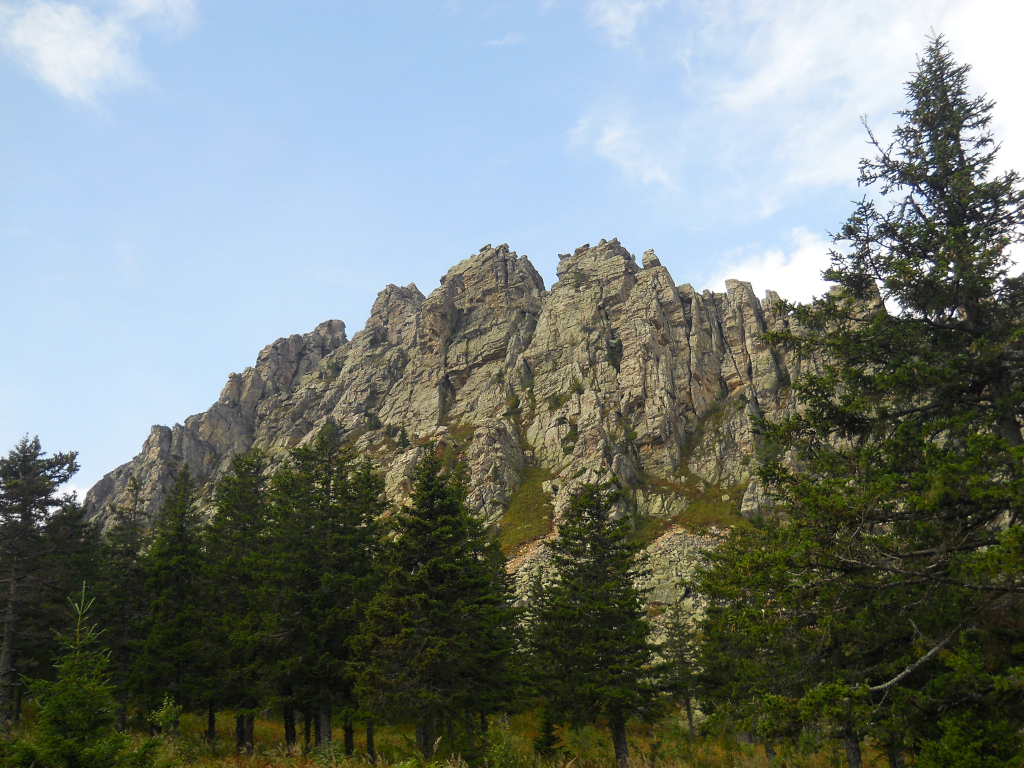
(589, 633)
(894, 583)
(29, 481)
(437, 645)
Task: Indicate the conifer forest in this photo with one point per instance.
(294, 614)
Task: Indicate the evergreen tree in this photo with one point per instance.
(889, 599)
(320, 573)
(75, 725)
(235, 538)
(123, 605)
(29, 481)
(174, 658)
(437, 645)
(589, 632)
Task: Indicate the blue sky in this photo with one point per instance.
(183, 181)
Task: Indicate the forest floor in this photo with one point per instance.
(664, 745)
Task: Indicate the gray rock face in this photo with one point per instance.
(615, 372)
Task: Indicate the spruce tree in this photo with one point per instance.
(592, 657)
(320, 573)
(76, 718)
(437, 646)
(29, 481)
(888, 602)
(175, 656)
(234, 546)
(122, 605)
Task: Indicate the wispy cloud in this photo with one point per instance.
(771, 91)
(79, 52)
(795, 273)
(618, 20)
(614, 137)
(510, 39)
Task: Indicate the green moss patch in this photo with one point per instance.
(530, 514)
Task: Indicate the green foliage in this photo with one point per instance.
(890, 596)
(437, 642)
(236, 568)
(34, 539)
(589, 643)
(318, 569)
(175, 656)
(74, 727)
(530, 514)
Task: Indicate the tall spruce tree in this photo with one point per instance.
(592, 657)
(29, 481)
(437, 647)
(234, 544)
(122, 604)
(889, 602)
(175, 656)
(320, 574)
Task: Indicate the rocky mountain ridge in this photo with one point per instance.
(615, 372)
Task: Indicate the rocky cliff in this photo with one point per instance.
(615, 372)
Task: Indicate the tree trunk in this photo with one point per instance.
(306, 717)
(769, 751)
(852, 744)
(7, 651)
(324, 718)
(689, 714)
(240, 734)
(289, 727)
(350, 741)
(211, 724)
(250, 738)
(19, 688)
(371, 749)
(895, 755)
(425, 736)
(618, 728)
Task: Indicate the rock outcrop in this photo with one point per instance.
(615, 373)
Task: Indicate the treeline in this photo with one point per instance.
(302, 594)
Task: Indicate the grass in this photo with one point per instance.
(529, 515)
(665, 744)
(704, 509)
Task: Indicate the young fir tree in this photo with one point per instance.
(29, 481)
(175, 656)
(437, 646)
(592, 657)
(234, 543)
(76, 717)
(320, 575)
(889, 602)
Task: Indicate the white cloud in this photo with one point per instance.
(78, 52)
(794, 274)
(613, 137)
(619, 19)
(510, 39)
(71, 49)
